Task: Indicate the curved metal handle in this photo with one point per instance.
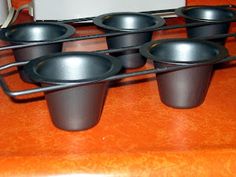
(14, 64)
(63, 86)
(231, 58)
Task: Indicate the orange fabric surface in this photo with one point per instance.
(137, 134)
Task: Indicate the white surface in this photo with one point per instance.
(72, 9)
(4, 9)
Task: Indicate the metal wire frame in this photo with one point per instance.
(169, 27)
(116, 77)
(154, 12)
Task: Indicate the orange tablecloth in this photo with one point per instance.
(137, 134)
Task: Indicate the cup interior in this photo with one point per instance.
(209, 13)
(36, 32)
(128, 21)
(184, 51)
(72, 67)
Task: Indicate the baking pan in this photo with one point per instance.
(215, 14)
(76, 108)
(185, 88)
(126, 22)
(35, 32)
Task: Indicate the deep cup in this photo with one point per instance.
(193, 14)
(185, 88)
(128, 22)
(79, 107)
(29, 33)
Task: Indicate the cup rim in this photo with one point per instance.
(180, 12)
(98, 21)
(30, 68)
(70, 30)
(145, 51)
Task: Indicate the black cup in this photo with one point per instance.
(207, 14)
(79, 107)
(35, 32)
(185, 88)
(128, 22)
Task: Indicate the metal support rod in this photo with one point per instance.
(153, 12)
(110, 34)
(116, 77)
(218, 36)
(15, 64)
(148, 12)
(63, 86)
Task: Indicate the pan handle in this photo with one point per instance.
(13, 64)
(232, 6)
(11, 93)
(227, 59)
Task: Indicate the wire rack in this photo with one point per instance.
(162, 13)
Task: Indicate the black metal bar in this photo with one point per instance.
(113, 34)
(63, 86)
(125, 48)
(148, 12)
(118, 50)
(138, 47)
(15, 64)
(86, 19)
(116, 77)
(120, 76)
